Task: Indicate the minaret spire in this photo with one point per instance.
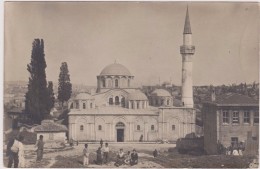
(187, 27)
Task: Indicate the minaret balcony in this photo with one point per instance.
(187, 49)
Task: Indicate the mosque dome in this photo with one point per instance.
(161, 93)
(138, 95)
(83, 96)
(115, 69)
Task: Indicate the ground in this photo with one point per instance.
(72, 157)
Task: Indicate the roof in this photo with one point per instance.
(115, 69)
(110, 110)
(187, 27)
(137, 95)
(83, 96)
(50, 126)
(161, 92)
(234, 99)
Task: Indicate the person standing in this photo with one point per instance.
(85, 155)
(15, 150)
(39, 144)
(155, 153)
(99, 160)
(101, 143)
(106, 152)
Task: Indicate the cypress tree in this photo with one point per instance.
(37, 95)
(65, 87)
(51, 99)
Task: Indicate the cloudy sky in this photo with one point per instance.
(145, 37)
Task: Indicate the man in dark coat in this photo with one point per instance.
(134, 158)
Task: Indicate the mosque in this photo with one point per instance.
(117, 112)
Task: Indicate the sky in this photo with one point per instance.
(143, 36)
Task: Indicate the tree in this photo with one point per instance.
(36, 96)
(65, 87)
(51, 100)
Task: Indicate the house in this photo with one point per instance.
(229, 119)
(51, 131)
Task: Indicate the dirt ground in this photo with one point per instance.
(72, 158)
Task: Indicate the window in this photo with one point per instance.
(116, 83)
(104, 83)
(81, 127)
(117, 100)
(110, 101)
(225, 117)
(132, 103)
(51, 136)
(137, 104)
(99, 127)
(123, 102)
(256, 117)
(152, 127)
(84, 105)
(168, 102)
(234, 140)
(77, 105)
(235, 119)
(246, 117)
(161, 102)
(173, 127)
(71, 106)
(138, 127)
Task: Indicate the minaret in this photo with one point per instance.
(187, 50)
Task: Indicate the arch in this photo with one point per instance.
(120, 125)
(116, 100)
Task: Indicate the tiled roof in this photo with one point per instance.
(49, 125)
(161, 92)
(137, 95)
(235, 99)
(117, 111)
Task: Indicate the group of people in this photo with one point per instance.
(128, 159)
(103, 156)
(15, 151)
(235, 149)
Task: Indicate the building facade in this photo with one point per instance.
(119, 112)
(228, 120)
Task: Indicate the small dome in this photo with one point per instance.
(138, 95)
(83, 96)
(115, 69)
(161, 93)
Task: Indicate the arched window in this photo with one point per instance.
(173, 127)
(168, 102)
(104, 82)
(99, 127)
(71, 106)
(81, 127)
(91, 105)
(132, 104)
(161, 102)
(77, 105)
(152, 127)
(138, 106)
(123, 102)
(110, 101)
(116, 83)
(116, 100)
(138, 127)
(84, 105)
(128, 82)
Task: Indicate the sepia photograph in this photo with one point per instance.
(124, 84)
